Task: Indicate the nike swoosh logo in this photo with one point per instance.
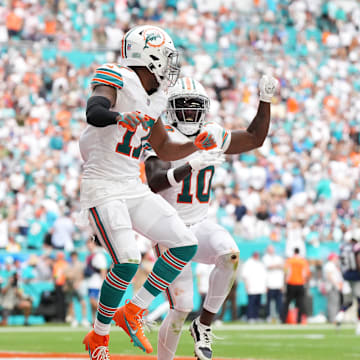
(131, 331)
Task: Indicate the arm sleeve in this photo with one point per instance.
(98, 113)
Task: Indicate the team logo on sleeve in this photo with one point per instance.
(153, 38)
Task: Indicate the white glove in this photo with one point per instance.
(267, 86)
(207, 158)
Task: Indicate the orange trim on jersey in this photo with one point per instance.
(188, 83)
(122, 48)
(224, 138)
(109, 73)
(103, 234)
(169, 128)
(106, 82)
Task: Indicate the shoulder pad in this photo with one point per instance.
(108, 74)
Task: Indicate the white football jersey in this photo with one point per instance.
(191, 196)
(111, 154)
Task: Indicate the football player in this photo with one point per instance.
(122, 115)
(185, 184)
(350, 268)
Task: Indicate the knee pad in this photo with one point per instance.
(184, 253)
(125, 271)
(230, 260)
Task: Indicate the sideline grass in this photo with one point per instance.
(238, 341)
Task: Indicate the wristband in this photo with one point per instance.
(171, 177)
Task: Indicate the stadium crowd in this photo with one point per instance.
(300, 190)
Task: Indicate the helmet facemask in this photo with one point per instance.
(166, 75)
(188, 112)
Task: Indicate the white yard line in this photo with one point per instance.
(217, 328)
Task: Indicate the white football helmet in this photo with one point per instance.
(150, 46)
(188, 104)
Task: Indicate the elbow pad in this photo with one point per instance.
(98, 113)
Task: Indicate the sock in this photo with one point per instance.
(112, 291)
(170, 333)
(167, 267)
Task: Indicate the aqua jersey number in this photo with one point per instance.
(202, 187)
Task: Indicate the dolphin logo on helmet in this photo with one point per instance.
(152, 38)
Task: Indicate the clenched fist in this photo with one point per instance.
(267, 86)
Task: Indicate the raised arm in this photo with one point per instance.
(255, 135)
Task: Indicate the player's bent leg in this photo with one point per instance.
(154, 218)
(116, 235)
(221, 280)
(170, 333)
(216, 246)
(180, 296)
(163, 227)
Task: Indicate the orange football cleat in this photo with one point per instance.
(97, 345)
(130, 318)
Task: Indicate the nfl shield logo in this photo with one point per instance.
(128, 47)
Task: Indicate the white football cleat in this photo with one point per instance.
(203, 338)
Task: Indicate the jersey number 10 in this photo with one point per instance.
(202, 186)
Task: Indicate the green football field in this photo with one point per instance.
(320, 342)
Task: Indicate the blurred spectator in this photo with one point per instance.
(13, 299)
(4, 239)
(334, 284)
(75, 289)
(12, 246)
(59, 276)
(62, 232)
(254, 275)
(95, 271)
(297, 274)
(44, 268)
(274, 265)
(37, 231)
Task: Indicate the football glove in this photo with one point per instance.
(205, 141)
(267, 86)
(130, 120)
(207, 158)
